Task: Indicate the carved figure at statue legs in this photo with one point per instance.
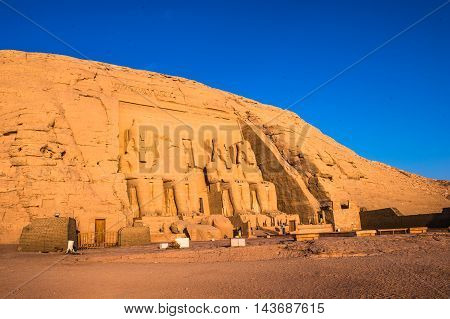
(239, 195)
(186, 198)
(266, 195)
(147, 195)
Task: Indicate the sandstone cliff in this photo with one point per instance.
(59, 145)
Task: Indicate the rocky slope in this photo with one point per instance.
(59, 145)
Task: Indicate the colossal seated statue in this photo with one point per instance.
(223, 174)
(145, 191)
(166, 180)
(266, 196)
(163, 178)
(238, 177)
(187, 179)
(265, 191)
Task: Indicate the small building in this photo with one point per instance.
(48, 234)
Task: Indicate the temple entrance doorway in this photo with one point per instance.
(100, 231)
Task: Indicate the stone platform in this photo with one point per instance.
(418, 230)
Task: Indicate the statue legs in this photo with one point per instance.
(267, 196)
(146, 195)
(181, 193)
(273, 203)
(134, 205)
(198, 191)
(187, 197)
(240, 196)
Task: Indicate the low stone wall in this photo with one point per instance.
(134, 236)
(203, 232)
(48, 234)
(391, 218)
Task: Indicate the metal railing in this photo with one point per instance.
(97, 240)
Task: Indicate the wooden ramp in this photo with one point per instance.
(392, 231)
(356, 233)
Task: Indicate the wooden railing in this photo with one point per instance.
(97, 240)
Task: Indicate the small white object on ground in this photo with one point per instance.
(237, 242)
(163, 246)
(182, 242)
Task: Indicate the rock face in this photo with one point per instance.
(71, 141)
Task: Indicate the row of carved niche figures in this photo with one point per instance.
(231, 171)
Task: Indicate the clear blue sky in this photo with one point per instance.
(393, 107)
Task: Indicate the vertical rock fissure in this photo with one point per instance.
(291, 198)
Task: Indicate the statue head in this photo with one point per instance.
(246, 154)
(221, 152)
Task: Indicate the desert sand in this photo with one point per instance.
(399, 266)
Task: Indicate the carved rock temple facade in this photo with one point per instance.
(114, 148)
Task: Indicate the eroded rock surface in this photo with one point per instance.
(62, 126)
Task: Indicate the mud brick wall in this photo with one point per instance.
(48, 234)
(391, 218)
(134, 236)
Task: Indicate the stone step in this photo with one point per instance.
(365, 233)
(314, 229)
(305, 237)
(418, 230)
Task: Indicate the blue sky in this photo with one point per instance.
(392, 107)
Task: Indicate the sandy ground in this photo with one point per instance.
(400, 266)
